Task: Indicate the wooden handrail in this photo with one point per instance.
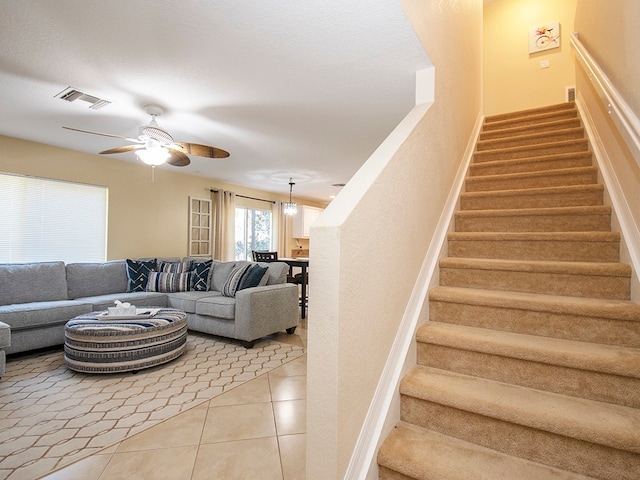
(619, 110)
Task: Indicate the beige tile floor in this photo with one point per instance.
(254, 431)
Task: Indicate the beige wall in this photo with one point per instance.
(513, 79)
(609, 30)
(145, 218)
(368, 246)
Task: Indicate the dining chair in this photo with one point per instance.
(262, 256)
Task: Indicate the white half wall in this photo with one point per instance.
(368, 247)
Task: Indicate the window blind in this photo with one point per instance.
(47, 220)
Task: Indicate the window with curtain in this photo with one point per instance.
(253, 231)
(48, 220)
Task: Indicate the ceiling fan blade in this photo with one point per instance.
(203, 150)
(178, 159)
(137, 140)
(126, 148)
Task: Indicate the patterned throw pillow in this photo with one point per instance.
(234, 280)
(138, 274)
(200, 275)
(174, 267)
(169, 282)
(254, 277)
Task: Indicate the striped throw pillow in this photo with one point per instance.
(234, 280)
(169, 282)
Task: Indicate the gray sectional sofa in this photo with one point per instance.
(37, 299)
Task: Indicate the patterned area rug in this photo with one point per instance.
(51, 416)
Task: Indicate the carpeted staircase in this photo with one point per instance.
(530, 365)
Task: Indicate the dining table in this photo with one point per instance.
(303, 264)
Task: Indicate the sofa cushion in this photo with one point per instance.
(25, 316)
(186, 301)
(32, 282)
(235, 279)
(91, 279)
(139, 299)
(169, 282)
(218, 306)
(5, 335)
(277, 272)
(138, 274)
(220, 274)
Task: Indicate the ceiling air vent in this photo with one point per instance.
(71, 94)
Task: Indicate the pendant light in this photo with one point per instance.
(290, 207)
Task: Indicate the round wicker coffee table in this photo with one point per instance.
(94, 343)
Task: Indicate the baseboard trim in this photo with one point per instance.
(376, 425)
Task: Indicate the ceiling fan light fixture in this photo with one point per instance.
(153, 155)
(290, 207)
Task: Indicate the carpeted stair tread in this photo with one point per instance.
(601, 423)
(565, 146)
(542, 219)
(578, 268)
(604, 321)
(532, 138)
(550, 246)
(623, 310)
(422, 454)
(582, 279)
(548, 126)
(535, 114)
(524, 180)
(577, 210)
(609, 359)
(584, 210)
(612, 237)
(537, 197)
(528, 164)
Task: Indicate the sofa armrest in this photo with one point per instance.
(265, 310)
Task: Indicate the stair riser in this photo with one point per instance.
(596, 386)
(570, 198)
(507, 182)
(568, 326)
(525, 165)
(595, 286)
(544, 447)
(532, 129)
(533, 223)
(531, 139)
(533, 151)
(536, 250)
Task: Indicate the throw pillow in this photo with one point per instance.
(138, 274)
(234, 280)
(169, 282)
(254, 277)
(200, 276)
(174, 267)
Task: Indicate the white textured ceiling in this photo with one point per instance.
(288, 87)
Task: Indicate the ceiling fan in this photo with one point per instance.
(155, 146)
